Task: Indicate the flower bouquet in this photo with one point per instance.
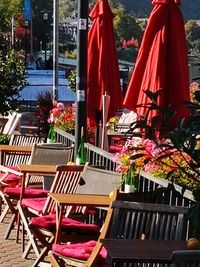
(63, 117)
(111, 123)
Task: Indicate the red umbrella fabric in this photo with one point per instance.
(103, 68)
(162, 61)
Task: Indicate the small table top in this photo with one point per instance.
(132, 250)
(15, 148)
(80, 199)
(33, 169)
(37, 168)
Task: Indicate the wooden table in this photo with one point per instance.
(11, 149)
(141, 251)
(76, 199)
(33, 169)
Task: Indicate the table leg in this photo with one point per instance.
(59, 213)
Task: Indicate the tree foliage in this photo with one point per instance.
(8, 9)
(12, 81)
(192, 30)
(126, 26)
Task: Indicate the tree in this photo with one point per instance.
(192, 30)
(8, 9)
(67, 8)
(12, 81)
(126, 26)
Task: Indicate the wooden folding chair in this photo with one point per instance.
(13, 123)
(125, 220)
(66, 181)
(94, 181)
(48, 154)
(23, 139)
(41, 154)
(17, 139)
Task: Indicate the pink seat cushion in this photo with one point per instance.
(115, 149)
(79, 251)
(67, 224)
(36, 204)
(29, 192)
(11, 178)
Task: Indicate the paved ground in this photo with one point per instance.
(10, 252)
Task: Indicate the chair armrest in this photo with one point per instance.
(8, 170)
(81, 199)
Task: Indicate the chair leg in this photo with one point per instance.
(43, 253)
(3, 213)
(10, 227)
(27, 249)
(22, 237)
(18, 228)
(13, 209)
(1, 201)
(32, 239)
(55, 262)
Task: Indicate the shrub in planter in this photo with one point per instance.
(4, 139)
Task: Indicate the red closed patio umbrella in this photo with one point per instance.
(103, 69)
(162, 61)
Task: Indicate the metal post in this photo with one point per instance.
(55, 48)
(81, 78)
(31, 32)
(13, 33)
(25, 42)
(45, 20)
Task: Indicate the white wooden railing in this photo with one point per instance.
(99, 157)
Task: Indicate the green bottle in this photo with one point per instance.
(81, 153)
(51, 138)
(131, 179)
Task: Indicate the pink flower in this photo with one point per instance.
(60, 105)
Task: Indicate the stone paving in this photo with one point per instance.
(10, 252)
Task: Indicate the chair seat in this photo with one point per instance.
(11, 179)
(29, 192)
(36, 204)
(67, 224)
(79, 251)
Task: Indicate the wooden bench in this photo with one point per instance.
(133, 220)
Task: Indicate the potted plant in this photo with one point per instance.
(4, 139)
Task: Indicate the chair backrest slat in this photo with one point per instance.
(20, 140)
(50, 155)
(98, 181)
(154, 221)
(66, 181)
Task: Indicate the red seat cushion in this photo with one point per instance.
(79, 251)
(115, 149)
(67, 224)
(11, 178)
(36, 204)
(29, 192)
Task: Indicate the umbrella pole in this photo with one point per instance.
(105, 108)
(81, 77)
